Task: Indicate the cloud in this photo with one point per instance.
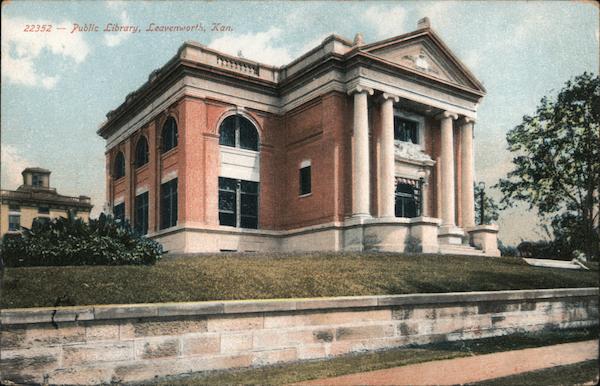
(21, 51)
(113, 39)
(12, 164)
(260, 46)
(387, 21)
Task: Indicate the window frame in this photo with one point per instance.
(11, 223)
(411, 117)
(238, 206)
(139, 163)
(141, 213)
(415, 198)
(120, 217)
(43, 210)
(37, 180)
(119, 165)
(237, 137)
(173, 137)
(305, 166)
(168, 204)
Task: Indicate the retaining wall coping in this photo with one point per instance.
(153, 310)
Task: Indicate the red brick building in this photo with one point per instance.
(352, 146)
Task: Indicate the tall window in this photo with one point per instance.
(119, 166)
(408, 198)
(141, 152)
(169, 135)
(168, 204)
(406, 130)
(14, 222)
(140, 217)
(237, 131)
(119, 212)
(238, 203)
(305, 179)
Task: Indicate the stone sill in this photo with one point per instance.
(125, 311)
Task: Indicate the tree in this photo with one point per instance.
(557, 162)
(490, 207)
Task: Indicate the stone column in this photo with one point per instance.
(361, 190)
(466, 165)
(387, 184)
(447, 169)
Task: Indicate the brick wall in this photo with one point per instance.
(102, 344)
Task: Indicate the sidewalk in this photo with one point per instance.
(471, 369)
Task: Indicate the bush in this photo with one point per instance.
(71, 241)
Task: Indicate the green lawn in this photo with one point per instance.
(584, 373)
(356, 363)
(254, 276)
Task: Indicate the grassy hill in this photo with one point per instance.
(263, 276)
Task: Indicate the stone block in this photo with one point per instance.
(47, 334)
(235, 343)
(125, 312)
(46, 315)
(496, 307)
(98, 331)
(318, 318)
(262, 358)
(254, 306)
(234, 323)
(81, 376)
(364, 332)
(164, 347)
(338, 302)
(408, 328)
(77, 355)
(267, 339)
(200, 308)
(13, 337)
(201, 344)
(28, 366)
(314, 351)
(162, 326)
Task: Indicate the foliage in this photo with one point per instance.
(491, 210)
(507, 250)
(412, 245)
(556, 167)
(71, 241)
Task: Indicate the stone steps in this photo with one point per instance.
(460, 249)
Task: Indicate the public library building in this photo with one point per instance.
(350, 147)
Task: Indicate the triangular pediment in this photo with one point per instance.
(425, 53)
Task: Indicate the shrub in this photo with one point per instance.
(412, 245)
(71, 241)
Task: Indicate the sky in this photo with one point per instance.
(57, 86)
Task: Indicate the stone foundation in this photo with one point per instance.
(136, 343)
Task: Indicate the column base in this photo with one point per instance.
(450, 234)
(485, 237)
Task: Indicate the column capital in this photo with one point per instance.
(385, 96)
(360, 89)
(446, 114)
(464, 120)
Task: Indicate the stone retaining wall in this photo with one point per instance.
(125, 343)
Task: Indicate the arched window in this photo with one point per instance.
(141, 152)
(169, 135)
(237, 131)
(119, 166)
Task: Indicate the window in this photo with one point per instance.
(140, 216)
(119, 212)
(43, 210)
(305, 179)
(141, 152)
(37, 180)
(168, 204)
(406, 130)
(14, 222)
(238, 203)
(237, 131)
(408, 198)
(119, 166)
(169, 135)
